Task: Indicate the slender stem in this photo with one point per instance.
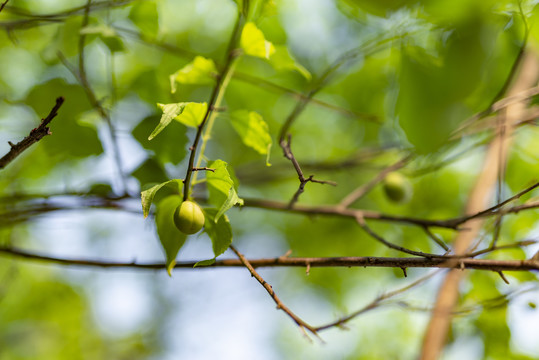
(215, 100)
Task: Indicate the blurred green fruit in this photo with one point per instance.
(189, 217)
(397, 187)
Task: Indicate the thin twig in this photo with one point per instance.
(302, 179)
(377, 302)
(390, 245)
(3, 5)
(35, 135)
(215, 100)
(302, 324)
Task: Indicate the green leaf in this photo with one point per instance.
(193, 114)
(107, 34)
(70, 138)
(147, 196)
(198, 71)
(204, 263)
(436, 94)
(188, 113)
(144, 15)
(253, 131)
(150, 171)
(254, 43)
(220, 185)
(219, 231)
(162, 151)
(283, 60)
(170, 237)
(170, 111)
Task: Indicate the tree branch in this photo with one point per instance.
(304, 262)
(35, 135)
(280, 306)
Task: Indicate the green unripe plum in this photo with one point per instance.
(397, 187)
(188, 217)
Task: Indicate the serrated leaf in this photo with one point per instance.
(144, 15)
(283, 60)
(170, 111)
(254, 43)
(219, 231)
(170, 237)
(198, 71)
(253, 131)
(147, 196)
(221, 188)
(193, 114)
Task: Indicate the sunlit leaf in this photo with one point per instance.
(192, 114)
(253, 131)
(188, 113)
(170, 237)
(254, 43)
(170, 111)
(198, 71)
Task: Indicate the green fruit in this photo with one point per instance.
(397, 187)
(188, 217)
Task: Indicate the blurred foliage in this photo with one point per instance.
(387, 79)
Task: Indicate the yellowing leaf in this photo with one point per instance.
(253, 131)
(198, 71)
(254, 43)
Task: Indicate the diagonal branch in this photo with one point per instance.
(35, 135)
(3, 5)
(302, 324)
